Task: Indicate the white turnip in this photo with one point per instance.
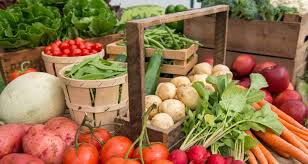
(166, 90)
(162, 120)
(149, 101)
(188, 95)
(174, 108)
(198, 154)
(223, 72)
(179, 81)
(216, 159)
(198, 77)
(178, 157)
(220, 67)
(17, 158)
(202, 68)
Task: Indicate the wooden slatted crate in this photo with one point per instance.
(136, 58)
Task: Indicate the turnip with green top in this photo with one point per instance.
(188, 95)
(166, 90)
(202, 68)
(174, 108)
(151, 100)
(180, 81)
(162, 120)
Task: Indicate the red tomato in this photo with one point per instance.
(89, 46)
(57, 42)
(30, 70)
(66, 52)
(81, 45)
(56, 52)
(14, 75)
(73, 47)
(98, 47)
(115, 147)
(76, 52)
(85, 52)
(64, 45)
(155, 151)
(161, 162)
(71, 42)
(93, 51)
(47, 49)
(86, 153)
(119, 160)
(102, 134)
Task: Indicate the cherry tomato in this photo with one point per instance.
(98, 47)
(102, 134)
(85, 52)
(86, 153)
(64, 45)
(66, 52)
(155, 151)
(76, 52)
(79, 41)
(56, 52)
(93, 51)
(81, 45)
(73, 47)
(119, 160)
(71, 42)
(115, 147)
(161, 162)
(89, 46)
(47, 49)
(58, 42)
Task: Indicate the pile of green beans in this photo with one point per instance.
(163, 37)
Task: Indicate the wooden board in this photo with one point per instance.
(281, 39)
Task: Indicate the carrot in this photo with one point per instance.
(278, 143)
(302, 141)
(292, 139)
(285, 155)
(268, 155)
(304, 137)
(284, 116)
(259, 155)
(256, 106)
(292, 127)
(251, 158)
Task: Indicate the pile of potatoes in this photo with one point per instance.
(171, 98)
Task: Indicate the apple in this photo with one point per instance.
(268, 96)
(296, 109)
(286, 96)
(245, 82)
(290, 87)
(207, 58)
(259, 67)
(277, 78)
(243, 65)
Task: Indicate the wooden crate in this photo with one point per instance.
(136, 58)
(293, 69)
(183, 60)
(10, 61)
(110, 98)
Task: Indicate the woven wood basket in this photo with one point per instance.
(54, 64)
(101, 100)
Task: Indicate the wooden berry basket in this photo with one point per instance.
(53, 64)
(110, 98)
(135, 52)
(182, 60)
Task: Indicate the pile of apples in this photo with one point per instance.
(280, 90)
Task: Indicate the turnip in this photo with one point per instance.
(149, 101)
(202, 68)
(188, 95)
(243, 65)
(179, 81)
(198, 154)
(221, 73)
(286, 96)
(198, 77)
(64, 128)
(277, 78)
(162, 120)
(219, 68)
(216, 159)
(166, 90)
(209, 87)
(296, 109)
(174, 108)
(11, 138)
(17, 158)
(44, 144)
(178, 157)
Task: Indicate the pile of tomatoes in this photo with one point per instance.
(71, 48)
(112, 150)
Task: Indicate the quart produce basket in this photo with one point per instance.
(53, 64)
(101, 100)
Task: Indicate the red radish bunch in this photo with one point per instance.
(198, 154)
(70, 48)
(178, 157)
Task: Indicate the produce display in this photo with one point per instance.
(95, 69)
(69, 48)
(253, 9)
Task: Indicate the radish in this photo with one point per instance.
(216, 159)
(237, 162)
(296, 109)
(259, 67)
(277, 78)
(268, 96)
(245, 82)
(228, 160)
(198, 154)
(243, 65)
(286, 96)
(178, 157)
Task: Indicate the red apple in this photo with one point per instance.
(286, 96)
(207, 58)
(290, 87)
(243, 65)
(296, 109)
(259, 67)
(245, 82)
(277, 78)
(268, 96)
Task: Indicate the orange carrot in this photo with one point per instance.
(284, 116)
(259, 155)
(292, 127)
(302, 141)
(278, 143)
(268, 155)
(292, 139)
(256, 106)
(304, 137)
(285, 155)
(251, 158)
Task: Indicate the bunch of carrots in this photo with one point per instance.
(293, 142)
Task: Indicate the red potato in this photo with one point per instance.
(277, 78)
(296, 109)
(286, 96)
(44, 144)
(268, 96)
(18, 158)
(11, 138)
(64, 128)
(243, 65)
(259, 67)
